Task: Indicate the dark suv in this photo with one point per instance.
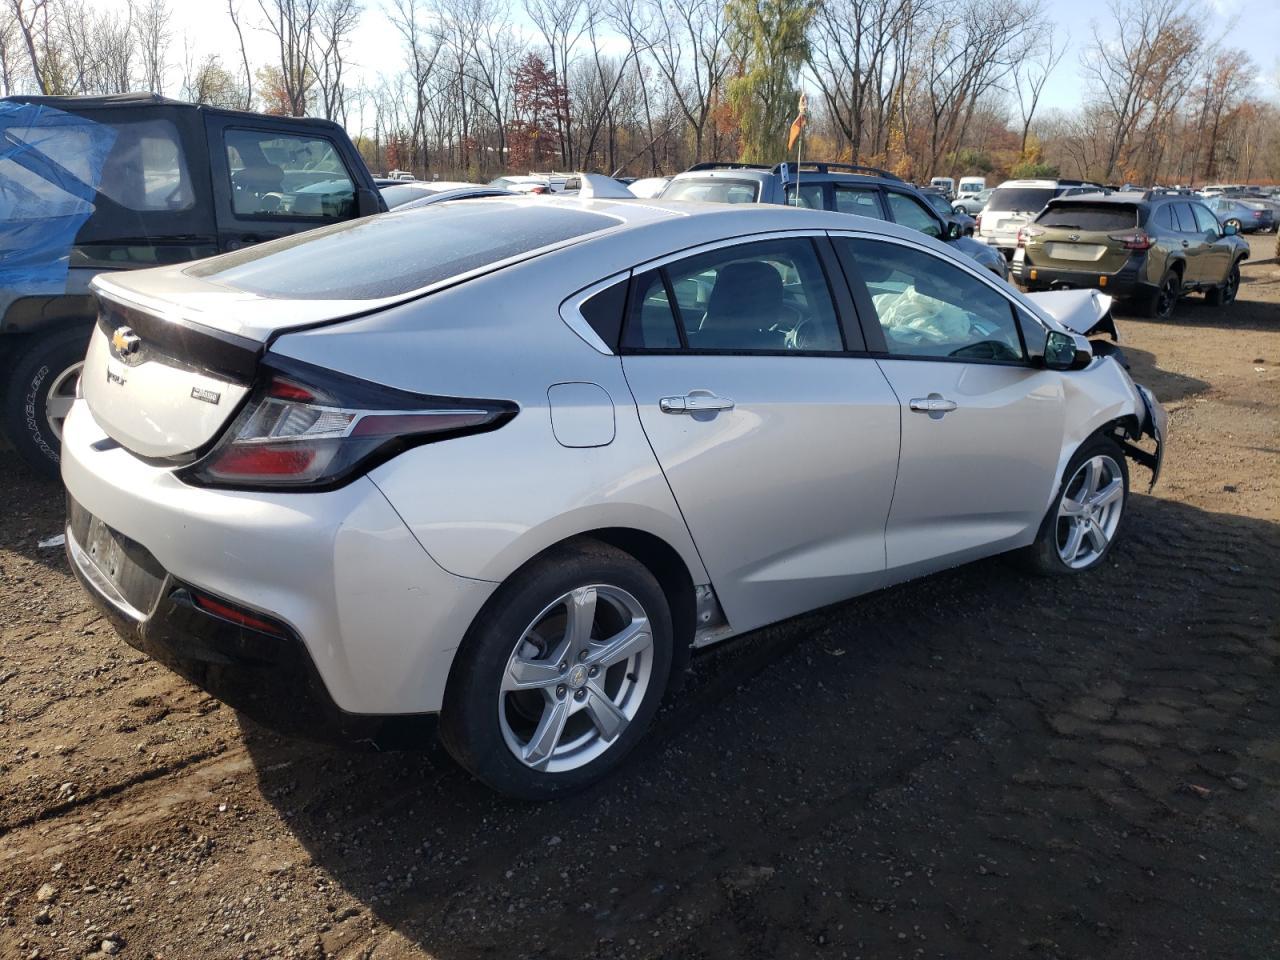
(842, 187)
(1148, 247)
(90, 184)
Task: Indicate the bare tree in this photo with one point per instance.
(335, 22)
(151, 22)
(563, 24)
(33, 21)
(1030, 77)
(422, 51)
(293, 24)
(10, 42)
(244, 55)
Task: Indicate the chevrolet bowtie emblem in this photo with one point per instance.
(124, 341)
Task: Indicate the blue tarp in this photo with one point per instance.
(50, 167)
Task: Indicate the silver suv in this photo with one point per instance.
(1015, 203)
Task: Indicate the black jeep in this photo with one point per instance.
(89, 184)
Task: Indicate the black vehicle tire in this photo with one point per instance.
(43, 374)
(1161, 302)
(1224, 294)
(524, 634)
(1047, 555)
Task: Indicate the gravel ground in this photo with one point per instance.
(974, 765)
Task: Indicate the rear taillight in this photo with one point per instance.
(309, 428)
(1137, 240)
(1028, 233)
(977, 222)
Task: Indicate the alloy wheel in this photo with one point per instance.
(576, 678)
(61, 395)
(1089, 511)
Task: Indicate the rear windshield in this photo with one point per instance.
(396, 253)
(1086, 216)
(394, 196)
(1020, 199)
(713, 190)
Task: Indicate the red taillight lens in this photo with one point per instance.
(306, 427)
(244, 618)
(1137, 240)
(977, 222)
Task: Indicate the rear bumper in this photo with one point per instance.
(371, 622)
(1128, 281)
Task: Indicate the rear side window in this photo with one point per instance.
(768, 296)
(713, 190)
(810, 196)
(1084, 216)
(1164, 218)
(281, 175)
(1020, 199)
(386, 256)
(1185, 219)
(603, 312)
(146, 170)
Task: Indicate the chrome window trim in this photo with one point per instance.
(571, 312)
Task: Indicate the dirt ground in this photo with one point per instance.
(975, 765)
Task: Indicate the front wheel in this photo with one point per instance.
(1086, 517)
(1239, 227)
(561, 673)
(42, 387)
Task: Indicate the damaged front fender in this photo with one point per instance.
(1155, 424)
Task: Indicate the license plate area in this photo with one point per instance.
(119, 568)
(1079, 252)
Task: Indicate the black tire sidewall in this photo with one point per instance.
(36, 368)
(1043, 553)
(469, 727)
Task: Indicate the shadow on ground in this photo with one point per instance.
(976, 764)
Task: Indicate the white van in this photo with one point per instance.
(946, 184)
(971, 185)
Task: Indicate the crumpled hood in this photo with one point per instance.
(1080, 311)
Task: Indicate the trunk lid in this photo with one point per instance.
(1079, 236)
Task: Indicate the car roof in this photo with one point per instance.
(134, 101)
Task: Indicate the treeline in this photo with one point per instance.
(481, 87)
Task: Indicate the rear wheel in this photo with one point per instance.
(1164, 299)
(561, 674)
(1226, 293)
(1087, 514)
(42, 387)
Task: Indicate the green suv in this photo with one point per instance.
(1149, 248)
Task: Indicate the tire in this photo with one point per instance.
(41, 385)
(522, 638)
(1221, 296)
(1235, 223)
(1100, 525)
(1160, 304)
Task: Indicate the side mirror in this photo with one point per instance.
(1229, 230)
(954, 231)
(1059, 351)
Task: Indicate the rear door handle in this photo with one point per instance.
(935, 405)
(694, 403)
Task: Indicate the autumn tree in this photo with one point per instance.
(535, 129)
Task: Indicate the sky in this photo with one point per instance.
(204, 27)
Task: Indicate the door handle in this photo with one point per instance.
(935, 405)
(695, 403)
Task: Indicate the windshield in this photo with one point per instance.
(1020, 199)
(1085, 216)
(386, 256)
(713, 190)
(939, 203)
(398, 195)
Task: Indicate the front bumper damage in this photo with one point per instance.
(1154, 424)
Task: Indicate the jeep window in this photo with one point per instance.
(909, 212)
(276, 175)
(713, 190)
(146, 169)
(1020, 199)
(1089, 216)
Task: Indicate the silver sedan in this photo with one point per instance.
(509, 461)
